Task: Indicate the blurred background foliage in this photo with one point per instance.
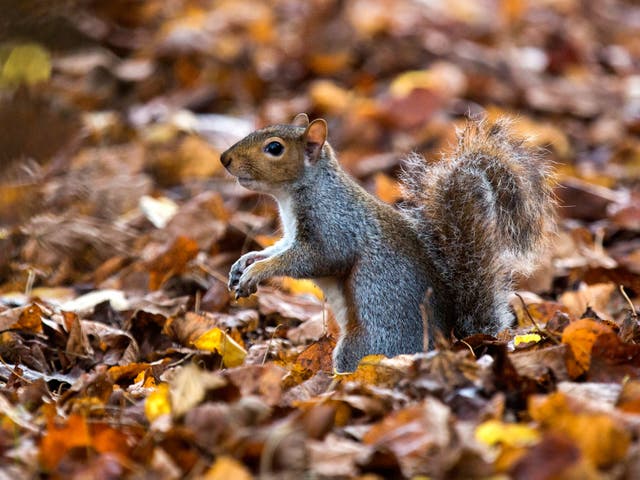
(102, 103)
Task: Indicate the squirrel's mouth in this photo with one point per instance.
(246, 181)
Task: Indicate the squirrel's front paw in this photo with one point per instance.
(238, 268)
(247, 284)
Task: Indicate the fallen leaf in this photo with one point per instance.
(528, 338)
(172, 261)
(419, 437)
(554, 456)
(262, 380)
(158, 403)
(612, 360)
(215, 340)
(600, 439)
(493, 432)
(26, 64)
(225, 468)
(317, 356)
(580, 337)
(337, 456)
(189, 386)
(629, 399)
(78, 341)
(595, 296)
(59, 439)
(302, 287)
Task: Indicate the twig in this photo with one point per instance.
(31, 277)
(214, 274)
(469, 347)
(266, 353)
(13, 371)
(626, 297)
(196, 306)
(535, 324)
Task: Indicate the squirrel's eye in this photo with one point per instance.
(274, 148)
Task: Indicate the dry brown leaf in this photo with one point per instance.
(595, 296)
(262, 380)
(419, 437)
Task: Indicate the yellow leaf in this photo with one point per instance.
(301, 287)
(28, 63)
(158, 403)
(493, 432)
(227, 467)
(215, 340)
(377, 370)
(440, 77)
(528, 338)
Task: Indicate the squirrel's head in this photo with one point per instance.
(275, 157)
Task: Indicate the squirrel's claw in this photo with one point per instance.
(238, 269)
(246, 285)
(234, 275)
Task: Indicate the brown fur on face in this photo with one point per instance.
(258, 170)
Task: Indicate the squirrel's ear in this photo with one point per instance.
(301, 120)
(314, 137)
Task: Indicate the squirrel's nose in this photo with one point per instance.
(225, 158)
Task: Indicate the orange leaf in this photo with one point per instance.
(30, 319)
(171, 261)
(580, 336)
(225, 468)
(58, 440)
(600, 439)
(317, 356)
(128, 371)
(387, 189)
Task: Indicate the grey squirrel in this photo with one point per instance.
(470, 223)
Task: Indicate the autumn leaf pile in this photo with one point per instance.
(122, 354)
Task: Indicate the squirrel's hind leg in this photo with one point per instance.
(349, 350)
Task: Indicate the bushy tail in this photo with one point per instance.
(485, 213)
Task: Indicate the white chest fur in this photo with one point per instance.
(289, 225)
(288, 219)
(334, 296)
